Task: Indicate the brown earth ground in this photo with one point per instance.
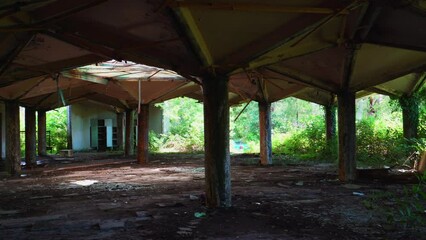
(161, 200)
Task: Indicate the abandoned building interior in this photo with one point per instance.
(125, 56)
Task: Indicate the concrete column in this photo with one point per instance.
(216, 138)
(69, 128)
(410, 116)
(41, 126)
(120, 130)
(265, 133)
(330, 127)
(143, 134)
(129, 139)
(30, 136)
(13, 150)
(347, 137)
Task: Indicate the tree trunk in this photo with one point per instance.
(330, 124)
(265, 133)
(347, 137)
(120, 131)
(410, 116)
(216, 137)
(30, 136)
(129, 141)
(69, 128)
(143, 134)
(41, 123)
(13, 150)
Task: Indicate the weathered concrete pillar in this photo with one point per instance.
(41, 135)
(120, 130)
(216, 138)
(129, 139)
(30, 136)
(143, 134)
(410, 116)
(330, 127)
(69, 128)
(265, 127)
(347, 137)
(13, 150)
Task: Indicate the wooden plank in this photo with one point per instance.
(265, 133)
(143, 134)
(216, 136)
(69, 127)
(129, 140)
(13, 150)
(330, 125)
(197, 36)
(347, 138)
(41, 125)
(410, 116)
(256, 7)
(120, 119)
(30, 137)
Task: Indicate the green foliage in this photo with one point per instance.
(185, 127)
(56, 123)
(298, 129)
(422, 111)
(305, 143)
(379, 143)
(404, 208)
(246, 127)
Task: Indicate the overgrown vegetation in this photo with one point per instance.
(405, 208)
(56, 127)
(184, 127)
(56, 124)
(298, 130)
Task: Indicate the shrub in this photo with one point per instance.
(306, 143)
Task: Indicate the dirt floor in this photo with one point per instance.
(118, 199)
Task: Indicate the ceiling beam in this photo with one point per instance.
(421, 79)
(197, 36)
(49, 68)
(56, 11)
(84, 76)
(8, 59)
(410, 69)
(384, 91)
(256, 7)
(30, 88)
(298, 77)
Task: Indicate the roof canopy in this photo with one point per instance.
(310, 49)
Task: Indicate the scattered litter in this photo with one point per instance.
(184, 234)
(110, 224)
(85, 183)
(194, 222)
(199, 214)
(41, 197)
(193, 197)
(358, 194)
(351, 186)
(186, 229)
(299, 183)
(282, 185)
(143, 216)
(9, 212)
(70, 195)
(165, 205)
(259, 214)
(41, 163)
